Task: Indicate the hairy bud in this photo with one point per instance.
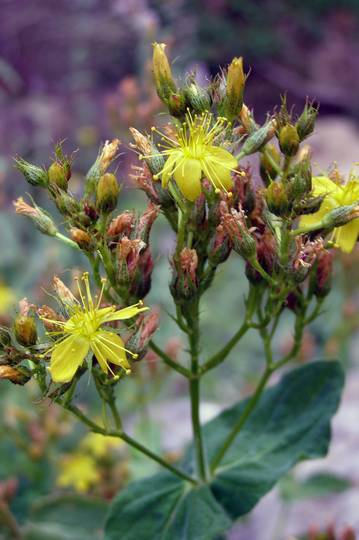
(154, 159)
(219, 247)
(236, 79)
(58, 175)
(107, 193)
(277, 198)
(48, 315)
(146, 327)
(82, 238)
(106, 156)
(258, 139)
(288, 139)
(162, 73)
(321, 275)
(36, 176)
(197, 97)
(306, 122)
(15, 375)
(242, 241)
(269, 158)
(40, 218)
(146, 221)
(184, 284)
(25, 330)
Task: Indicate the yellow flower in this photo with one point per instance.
(99, 445)
(7, 298)
(83, 333)
(336, 195)
(193, 154)
(78, 471)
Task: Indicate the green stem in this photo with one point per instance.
(194, 388)
(273, 163)
(8, 519)
(66, 240)
(251, 403)
(130, 441)
(171, 363)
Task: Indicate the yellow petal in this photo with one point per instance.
(66, 358)
(219, 175)
(345, 237)
(188, 175)
(222, 155)
(168, 168)
(125, 313)
(322, 185)
(108, 346)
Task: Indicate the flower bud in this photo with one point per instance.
(267, 170)
(306, 122)
(321, 275)
(236, 79)
(146, 327)
(36, 176)
(104, 159)
(5, 336)
(247, 120)
(65, 203)
(341, 216)
(184, 284)
(197, 98)
(277, 198)
(59, 175)
(266, 255)
(25, 330)
(177, 104)
(40, 218)
(165, 84)
(257, 139)
(288, 140)
(82, 238)
(107, 193)
(308, 205)
(64, 294)
(219, 247)
(242, 241)
(154, 159)
(15, 375)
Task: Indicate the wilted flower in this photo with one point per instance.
(83, 333)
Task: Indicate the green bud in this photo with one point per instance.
(289, 140)
(165, 84)
(258, 139)
(107, 193)
(36, 176)
(41, 219)
(58, 175)
(306, 122)
(236, 79)
(309, 205)
(177, 104)
(341, 216)
(277, 198)
(198, 98)
(25, 330)
(269, 155)
(66, 204)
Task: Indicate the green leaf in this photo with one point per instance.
(75, 516)
(290, 423)
(317, 485)
(166, 508)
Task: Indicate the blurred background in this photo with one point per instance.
(79, 71)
